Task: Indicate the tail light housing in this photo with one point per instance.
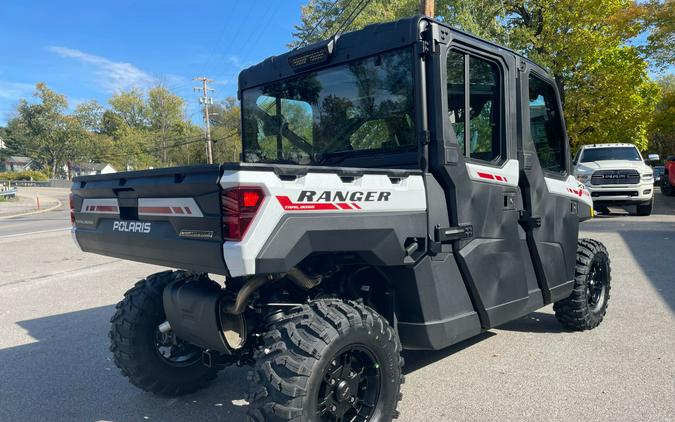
(240, 206)
(71, 205)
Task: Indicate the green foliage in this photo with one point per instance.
(662, 128)
(24, 175)
(586, 44)
(225, 132)
(136, 131)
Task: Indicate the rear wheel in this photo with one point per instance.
(645, 209)
(154, 361)
(328, 360)
(585, 308)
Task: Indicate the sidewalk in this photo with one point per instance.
(25, 203)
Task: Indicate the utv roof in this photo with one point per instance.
(372, 39)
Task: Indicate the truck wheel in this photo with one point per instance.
(585, 308)
(645, 209)
(601, 209)
(152, 361)
(328, 360)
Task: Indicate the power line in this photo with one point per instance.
(353, 15)
(306, 38)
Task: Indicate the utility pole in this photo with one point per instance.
(427, 8)
(205, 100)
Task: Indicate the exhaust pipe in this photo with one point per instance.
(302, 280)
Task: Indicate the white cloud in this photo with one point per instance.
(113, 76)
(15, 90)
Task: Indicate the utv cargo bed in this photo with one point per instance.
(168, 217)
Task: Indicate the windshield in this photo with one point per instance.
(353, 114)
(610, 153)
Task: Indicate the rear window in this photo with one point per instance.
(352, 114)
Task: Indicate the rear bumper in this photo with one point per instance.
(163, 248)
(621, 194)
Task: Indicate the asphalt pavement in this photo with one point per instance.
(55, 303)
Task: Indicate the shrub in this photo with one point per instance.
(24, 175)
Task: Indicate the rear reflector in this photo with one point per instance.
(239, 206)
(71, 204)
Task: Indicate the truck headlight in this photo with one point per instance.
(648, 176)
(583, 178)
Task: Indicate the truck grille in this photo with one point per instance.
(615, 193)
(615, 177)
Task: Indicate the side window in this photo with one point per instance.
(483, 139)
(546, 125)
(456, 98)
(484, 109)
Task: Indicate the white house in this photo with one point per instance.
(90, 169)
(16, 163)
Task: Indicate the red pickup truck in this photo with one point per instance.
(668, 178)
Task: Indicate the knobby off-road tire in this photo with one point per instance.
(323, 354)
(136, 345)
(585, 308)
(646, 209)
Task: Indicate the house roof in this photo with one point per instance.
(16, 159)
(90, 166)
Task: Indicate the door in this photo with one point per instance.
(480, 173)
(549, 192)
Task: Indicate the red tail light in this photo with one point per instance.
(71, 204)
(240, 206)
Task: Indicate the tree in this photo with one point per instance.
(662, 128)
(164, 111)
(606, 91)
(131, 108)
(225, 122)
(43, 132)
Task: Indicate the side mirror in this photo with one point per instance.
(653, 157)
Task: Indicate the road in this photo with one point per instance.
(39, 223)
(55, 303)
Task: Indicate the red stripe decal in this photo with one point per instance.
(102, 208)
(355, 205)
(485, 175)
(289, 205)
(498, 177)
(155, 210)
(177, 210)
(188, 210)
(344, 205)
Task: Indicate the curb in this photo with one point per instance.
(7, 217)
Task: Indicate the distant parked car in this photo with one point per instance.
(658, 173)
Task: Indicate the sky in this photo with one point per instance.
(92, 49)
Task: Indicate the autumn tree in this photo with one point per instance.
(662, 128)
(585, 44)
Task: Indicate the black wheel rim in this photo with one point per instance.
(596, 287)
(350, 387)
(175, 351)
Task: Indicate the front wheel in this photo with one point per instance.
(154, 361)
(585, 308)
(328, 360)
(645, 209)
